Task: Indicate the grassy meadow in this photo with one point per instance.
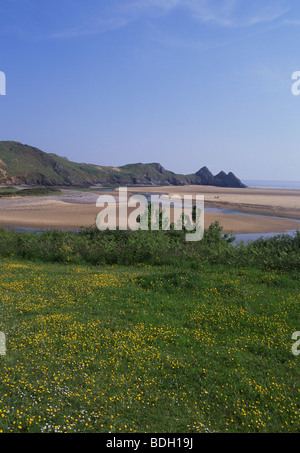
(147, 347)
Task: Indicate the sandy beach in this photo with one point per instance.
(271, 202)
(278, 209)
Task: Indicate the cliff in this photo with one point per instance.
(25, 165)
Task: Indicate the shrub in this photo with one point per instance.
(92, 246)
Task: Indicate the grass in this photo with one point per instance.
(6, 191)
(32, 192)
(148, 348)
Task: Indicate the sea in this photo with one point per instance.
(273, 184)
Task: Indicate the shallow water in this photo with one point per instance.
(248, 237)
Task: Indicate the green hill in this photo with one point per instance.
(25, 165)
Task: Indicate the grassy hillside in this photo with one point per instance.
(23, 164)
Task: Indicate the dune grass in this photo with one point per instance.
(30, 192)
(148, 348)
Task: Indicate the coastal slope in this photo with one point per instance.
(26, 165)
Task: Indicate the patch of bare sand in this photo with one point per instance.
(49, 215)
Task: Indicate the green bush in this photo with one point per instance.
(92, 246)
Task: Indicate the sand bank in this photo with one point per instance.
(273, 202)
(75, 209)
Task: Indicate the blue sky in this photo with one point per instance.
(186, 83)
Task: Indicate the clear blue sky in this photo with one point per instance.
(186, 83)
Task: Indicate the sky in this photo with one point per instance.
(186, 83)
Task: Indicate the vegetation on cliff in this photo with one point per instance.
(25, 165)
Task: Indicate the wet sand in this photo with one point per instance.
(75, 209)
